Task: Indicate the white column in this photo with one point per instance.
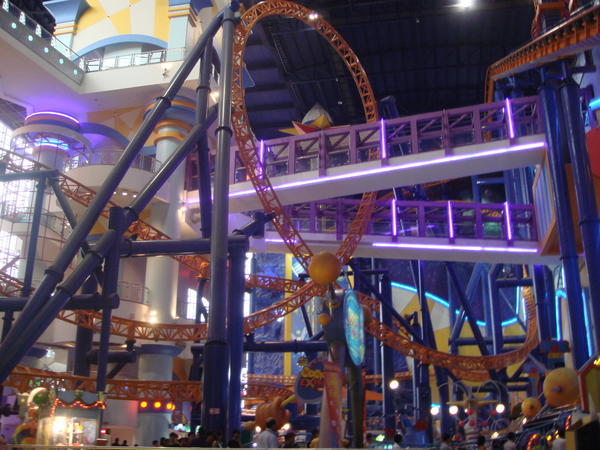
(162, 272)
(155, 363)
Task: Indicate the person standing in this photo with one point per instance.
(268, 437)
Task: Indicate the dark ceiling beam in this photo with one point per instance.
(270, 107)
(266, 88)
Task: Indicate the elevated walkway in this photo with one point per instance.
(409, 150)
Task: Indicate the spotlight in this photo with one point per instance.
(465, 4)
(124, 193)
(394, 384)
(214, 95)
(258, 429)
(453, 410)
(286, 427)
(170, 406)
(500, 408)
(157, 405)
(143, 404)
(495, 435)
(435, 410)
(313, 16)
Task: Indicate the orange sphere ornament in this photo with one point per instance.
(530, 407)
(561, 387)
(324, 319)
(324, 268)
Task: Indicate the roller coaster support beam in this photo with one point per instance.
(216, 351)
(493, 305)
(33, 175)
(387, 357)
(589, 223)
(43, 306)
(387, 307)
(286, 346)
(76, 302)
(173, 247)
(235, 332)
(84, 336)
(418, 272)
(463, 299)
(36, 222)
(116, 223)
(552, 113)
(204, 190)
(544, 298)
(488, 340)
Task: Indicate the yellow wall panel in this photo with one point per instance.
(92, 16)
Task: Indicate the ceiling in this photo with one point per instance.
(427, 54)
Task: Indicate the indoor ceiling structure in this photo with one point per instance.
(427, 54)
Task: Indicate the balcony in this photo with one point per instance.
(27, 31)
(135, 59)
(110, 158)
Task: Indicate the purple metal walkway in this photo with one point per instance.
(457, 231)
(398, 152)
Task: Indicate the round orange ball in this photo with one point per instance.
(324, 319)
(530, 407)
(324, 268)
(561, 387)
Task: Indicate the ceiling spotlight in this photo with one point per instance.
(453, 410)
(394, 384)
(465, 4)
(500, 408)
(435, 410)
(313, 16)
(214, 95)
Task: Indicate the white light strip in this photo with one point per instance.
(509, 117)
(383, 139)
(394, 218)
(450, 221)
(465, 248)
(508, 221)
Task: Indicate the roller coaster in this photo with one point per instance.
(473, 368)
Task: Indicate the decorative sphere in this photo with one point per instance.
(324, 268)
(530, 407)
(324, 319)
(561, 387)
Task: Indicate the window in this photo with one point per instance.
(5, 135)
(191, 302)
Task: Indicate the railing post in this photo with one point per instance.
(479, 231)
(384, 153)
(414, 137)
(352, 150)
(446, 133)
(322, 154)
(291, 170)
(476, 121)
(421, 220)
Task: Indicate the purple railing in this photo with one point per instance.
(441, 130)
(441, 219)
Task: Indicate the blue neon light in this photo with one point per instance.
(445, 303)
(560, 294)
(594, 103)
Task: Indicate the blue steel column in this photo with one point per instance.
(589, 224)
(109, 291)
(544, 303)
(566, 231)
(493, 301)
(204, 191)
(387, 359)
(33, 237)
(235, 333)
(216, 351)
(84, 337)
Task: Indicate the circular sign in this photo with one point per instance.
(354, 327)
(310, 382)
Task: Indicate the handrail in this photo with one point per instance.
(134, 59)
(109, 158)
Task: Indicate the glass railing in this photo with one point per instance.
(135, 59)
(133, 292)
(110, 158)
(26, 30)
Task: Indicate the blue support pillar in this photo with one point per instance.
(544, 302)
(33, 236)
(387, 359)
(493, 301)
(84, 337)
(235, 333)
(216, 351)
(568, 252)
(116, 222)
(589, 223)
